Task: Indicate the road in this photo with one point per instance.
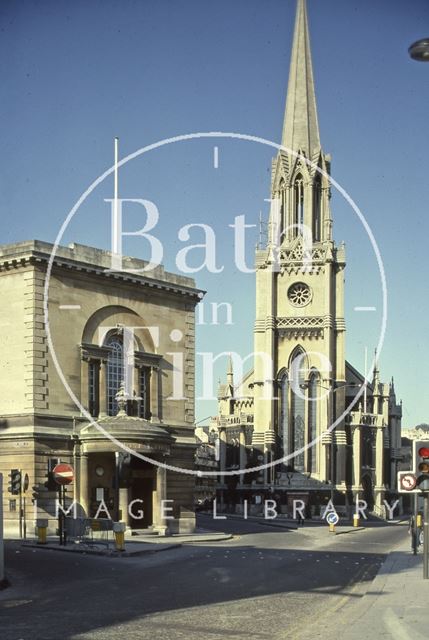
(267, 583)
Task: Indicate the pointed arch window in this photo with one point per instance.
(298, 408)
(317, 208)
(284, 416)
(312, 421)
(298, 219)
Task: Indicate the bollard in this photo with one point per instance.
(42, 528)
(332, 528)
(355, 520)
(119, 531)
(419, 520)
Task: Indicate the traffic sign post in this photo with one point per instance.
(332, 519)
(63, 475)
(407, 482)
(417, 481)
(426, 536)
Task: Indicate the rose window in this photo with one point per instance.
(299, 294)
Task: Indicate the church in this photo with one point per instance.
(303, 421)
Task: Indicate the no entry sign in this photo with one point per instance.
(63, 473)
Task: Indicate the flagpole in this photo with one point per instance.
(115, 221)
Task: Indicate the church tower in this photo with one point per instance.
(299, 330)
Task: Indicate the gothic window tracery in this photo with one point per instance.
(284, 415)
(299, 294)
(297, 408)
(312, 420)
(317, 202)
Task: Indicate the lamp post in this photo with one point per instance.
(420, 50)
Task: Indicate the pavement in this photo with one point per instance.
(137, 545)
(394, 607)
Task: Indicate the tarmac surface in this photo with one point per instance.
(268, 581)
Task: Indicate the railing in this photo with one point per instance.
(89, 531)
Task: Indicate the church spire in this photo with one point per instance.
(300, 127)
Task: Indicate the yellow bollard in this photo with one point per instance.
(332, 528)
(42, 530)
(356, 520)
(119, 532)
(419, 520)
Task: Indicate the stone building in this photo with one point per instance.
(108, 329)
(279, 408)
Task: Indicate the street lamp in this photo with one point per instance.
(420, 50)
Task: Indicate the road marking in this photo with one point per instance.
(365, 308)
(216, 157)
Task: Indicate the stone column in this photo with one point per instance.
(379, 463)
(222, 462)
(123, 505)
(84, 498)
(154, 394)
(161, 524)
(243, 457)
(341, 440)
(76, 481)
(136, 390)
(357, 462)
(103, 389)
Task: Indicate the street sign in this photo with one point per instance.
(332, 518)
(408, 481)
(63, 473)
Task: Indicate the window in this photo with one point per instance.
(284, 416)
(93, 388)
(298, 411)
(298, 220)
(312, 422)
(115, 372)
(299, 294)
(317, 201)
(144, 407)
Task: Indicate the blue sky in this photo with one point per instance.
(75, 74)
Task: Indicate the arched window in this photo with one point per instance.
(298, 408)
(317, 208)
(298, 218)
(115, 371)
(312, 421)
(284, 416)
